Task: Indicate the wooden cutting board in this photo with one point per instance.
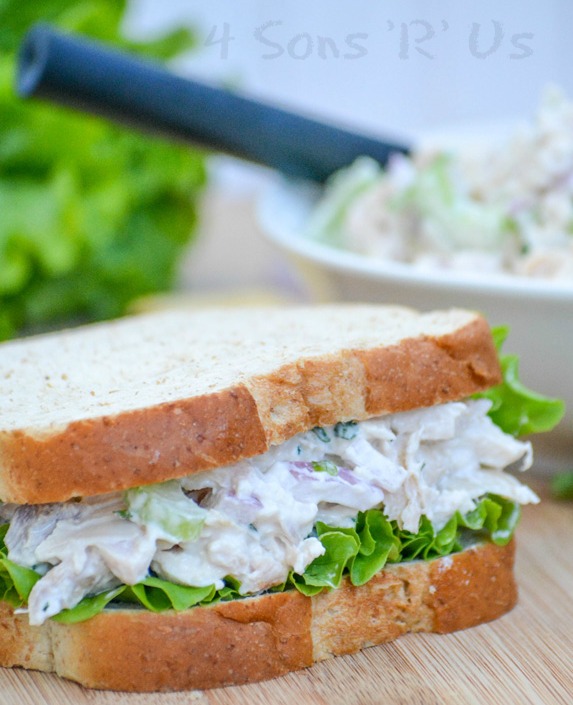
(525, 657)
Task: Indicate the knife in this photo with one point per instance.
(91, 77)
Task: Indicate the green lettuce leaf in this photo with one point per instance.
(515, 408)
(230, 591)
(427, 543)
(88, 607)
(16, 582)
(157, 595)
(562, 485)
(341, 545)
(378, 544)
(362, 551)
(497, 515)
(93, 215)
(154, 594)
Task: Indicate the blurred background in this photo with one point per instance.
(93, 216)
(96, 220)
(405, 69)
(398, 66)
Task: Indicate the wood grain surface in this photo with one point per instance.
(525, 657)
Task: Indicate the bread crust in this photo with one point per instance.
(139, 447)
(264, 637)
(170, 440)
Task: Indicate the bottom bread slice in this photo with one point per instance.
(257, 638)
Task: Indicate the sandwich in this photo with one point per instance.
(202, 499)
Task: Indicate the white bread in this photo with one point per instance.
(150, 398)
(263, 637)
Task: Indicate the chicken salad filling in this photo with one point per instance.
(266, 518)
(498, 209)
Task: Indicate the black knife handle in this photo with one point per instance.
(87, 76)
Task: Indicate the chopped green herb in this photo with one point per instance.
(321, 434)
(348, 430)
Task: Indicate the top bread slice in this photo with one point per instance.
(149, 398)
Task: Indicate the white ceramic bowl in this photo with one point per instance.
(538, 313)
